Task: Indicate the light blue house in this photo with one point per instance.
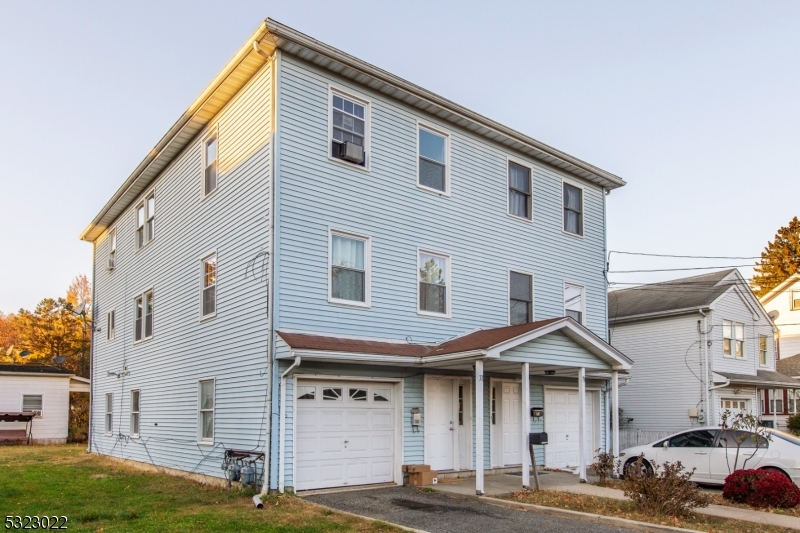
(321, 260)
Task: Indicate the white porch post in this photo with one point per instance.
(526, 425)
(615, 415)
(582, 424)
(479, 427)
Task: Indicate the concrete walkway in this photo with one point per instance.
(503, 484)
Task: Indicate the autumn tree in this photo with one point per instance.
(80, 292)
(779, 260)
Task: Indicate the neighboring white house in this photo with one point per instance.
(701, 345)
(41, 388)
(783, 305)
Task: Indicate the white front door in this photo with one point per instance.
(561, 408)
(512, 423)
(440, 427)
(345, 434)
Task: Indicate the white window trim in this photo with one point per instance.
(522, 163)
(508, 293)
(732, 355)
(447, 138)
(111, 333)
(209, 316)
(144, 315)
(139, 412)
(22, 400)
(200, 439)
(367, 303)
(765, 364)
(449, 284)
(583, 207)
(108, 431)
(583, 298)
(350, 95)
(142, 202)
(211, 133)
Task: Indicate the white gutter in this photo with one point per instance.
(282, 436)
(715, 387)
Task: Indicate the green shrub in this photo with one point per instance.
(793, 424)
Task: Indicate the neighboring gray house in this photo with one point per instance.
(702, 345)
(329, 264)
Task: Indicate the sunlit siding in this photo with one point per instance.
(232, 347)
(385, 203)
(732, 306)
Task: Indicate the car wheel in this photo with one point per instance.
(631, 463)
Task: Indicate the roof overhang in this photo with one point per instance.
(791, 280)
(757, 381)
(272, 35)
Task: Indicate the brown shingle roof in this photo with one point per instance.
(477, 340)
(789, 366)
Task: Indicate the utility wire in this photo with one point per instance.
(677, 269)
(683, 256)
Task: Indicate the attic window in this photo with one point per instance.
(795, 301)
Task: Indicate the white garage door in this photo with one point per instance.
(345, 434)
(561, 425)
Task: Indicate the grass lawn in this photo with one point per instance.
(626, 509)
(101, 495)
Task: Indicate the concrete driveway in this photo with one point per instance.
(439, 513)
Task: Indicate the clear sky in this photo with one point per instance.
(695, 104)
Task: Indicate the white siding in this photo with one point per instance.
(52, 427)
(788, 321)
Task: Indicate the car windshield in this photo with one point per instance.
(788, 437)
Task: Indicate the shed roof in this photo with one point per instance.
(655, 298)
(34, 369)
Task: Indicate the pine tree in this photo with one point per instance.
(779, 260)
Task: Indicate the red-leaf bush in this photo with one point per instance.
(761, 488)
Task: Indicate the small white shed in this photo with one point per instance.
(43, 389)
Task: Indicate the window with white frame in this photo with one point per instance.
(135, 398)
(519, 191)
(795, 300)
(209, 291)
(762, 350)
(206, 411)
(112, 248)
(145, 220)
(143, 316)
(733, 405)
(349, 281)
(776, 401)
(109, 413)
(433, 149)
(110, 325)
(573, 209)
(792, 395)
(520, 302)
(349, 129)
(733, 338)
(33, 402)
(434, 281)
(210, 165)
(573, 302)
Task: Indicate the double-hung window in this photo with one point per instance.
(776, 401)
(209, 165)
(110, 325)
(433, 155)
(795, 302)
(143, 316)
(349, 118)
(109, 419)
(791, 397)
(209, 291)
(206, 411)
(33, 402)
(434, 281)
(762, 350)
(520, 303)
(573, 209)
(349, 268)
(146, 220)
(519, 191)
(135, 413)
(573, 302)
(733, 338)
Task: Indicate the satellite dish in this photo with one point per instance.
(24, 353)
(81, 308)
(59, 359)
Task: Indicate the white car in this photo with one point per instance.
(712, 453)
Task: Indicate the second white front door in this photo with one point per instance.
(441, 427)
(561, 417)
(512, 424)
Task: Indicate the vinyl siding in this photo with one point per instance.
(731, 306)
(52, 427)
(234, 221)
(665, 380)
(386, 204)
(555, 349)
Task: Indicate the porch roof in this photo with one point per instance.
(488, 343)
(765, 379)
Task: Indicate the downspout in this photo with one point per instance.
(715, 387)
(707, 388)
(282, 435)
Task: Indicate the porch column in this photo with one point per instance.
(582, 424)
(479, 427)
(526, 425)
(615, 415)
